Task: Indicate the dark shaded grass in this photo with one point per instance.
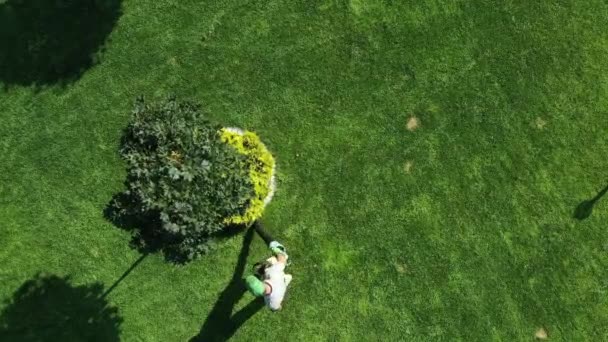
(48, 42)
(48, 307)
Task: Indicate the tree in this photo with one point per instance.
(182, 182)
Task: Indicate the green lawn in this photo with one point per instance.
(459, 229)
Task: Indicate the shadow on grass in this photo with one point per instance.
(585, 208)
(49, 308)
(124, 275)
(44, 42)
(221, 324)
(146, 235)
(142, 226)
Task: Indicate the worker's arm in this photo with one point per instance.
(282, 258)
(279, 251)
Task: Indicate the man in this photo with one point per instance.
(272, 282)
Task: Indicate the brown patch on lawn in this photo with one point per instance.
(173, 61)
(540, 123)
(541, 334)
(413, 123)
(400, 267)
(407, 167)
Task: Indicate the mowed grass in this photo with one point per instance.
(458, 229)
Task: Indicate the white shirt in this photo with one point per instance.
(277, 279)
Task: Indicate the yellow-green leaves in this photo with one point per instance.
(261, 171)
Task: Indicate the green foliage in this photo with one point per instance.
(261, 165)
(182, 176)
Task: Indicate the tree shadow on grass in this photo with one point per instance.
(585, 208)
(141, 225)
(49, 308)
(221, 324)
(124, 275)
(44, 42)
(146, 235)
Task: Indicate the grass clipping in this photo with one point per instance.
(261, 171)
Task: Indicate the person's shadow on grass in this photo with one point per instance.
(585, 208)
(50, 308)
(221, 324)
